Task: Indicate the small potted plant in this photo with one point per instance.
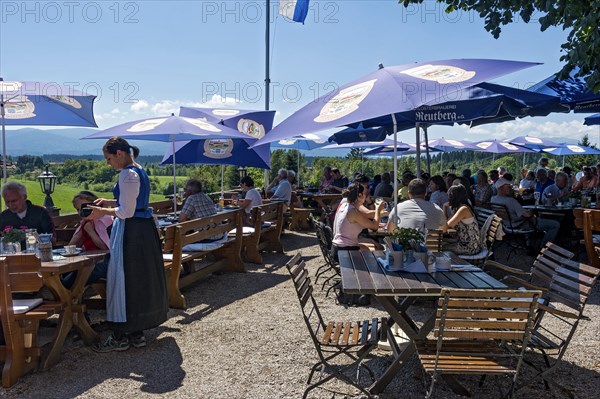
(12, 239)
(408, 240)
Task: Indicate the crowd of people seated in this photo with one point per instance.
(448, 200)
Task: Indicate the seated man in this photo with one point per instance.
(559, 191)
(542, 180)
(21, 213)
(327, 179)
(385, 188)
(417, 212)
(339, 182)
(587, 181)
(521, 217)
(283, 189)
(196, 204)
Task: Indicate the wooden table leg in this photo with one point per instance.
(399, 315)
(72, 314)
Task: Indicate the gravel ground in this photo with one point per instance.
(243, 336)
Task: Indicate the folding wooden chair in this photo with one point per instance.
(352, 339)
(516, 236)
(472, 328)
(325, 237)
(571, 285)
(480, 258)
(433, 241)
(591, 225)
(541, 272)
(20, 351)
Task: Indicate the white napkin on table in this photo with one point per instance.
(416, 267)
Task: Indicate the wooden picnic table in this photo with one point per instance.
(71, 299)
(362, 274)
(321, 198)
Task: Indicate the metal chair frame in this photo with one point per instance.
(473, 328)
(515, 237)
(352, 339)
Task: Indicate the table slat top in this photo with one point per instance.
(362, 274)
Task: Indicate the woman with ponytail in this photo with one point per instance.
(136, 288)
(349, 221)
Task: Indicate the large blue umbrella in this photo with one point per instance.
(570, 149)
(170, 129)
(392, 90)
(389, 91)
(305, 142)
(499, 147)
(572, 91)
(219, 152)
(592, 120)
(254, 123)
(41, 103)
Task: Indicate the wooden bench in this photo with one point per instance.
(263, 237)
(227, 257)
(20, 351)
(163, 207)
(299, 218)
(64, 227)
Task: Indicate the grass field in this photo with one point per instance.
(63, 195)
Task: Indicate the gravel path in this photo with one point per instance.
(243, 336)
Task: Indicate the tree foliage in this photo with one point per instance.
(580, 17)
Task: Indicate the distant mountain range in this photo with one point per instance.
(33, 141)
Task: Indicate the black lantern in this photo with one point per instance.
(47, 183)
(453, 169)
(243, 172)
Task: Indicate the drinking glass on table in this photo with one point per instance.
(536, 196)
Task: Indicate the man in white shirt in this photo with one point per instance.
(417, 212)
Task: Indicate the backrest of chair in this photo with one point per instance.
(163, 207)
(490, 236)
(503, 214)
(482, 215)
(572, 284)
(304, 289)
(70, 221)
(21, 273)
(271, 212)
(199, 229)
(433, 241)
(547, 261)
(591, 224)
(486, 314)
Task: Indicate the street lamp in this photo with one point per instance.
(47, 182)
(243, 172)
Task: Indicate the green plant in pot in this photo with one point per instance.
(12, 238)
(407, 238)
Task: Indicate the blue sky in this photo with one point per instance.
(147, 58)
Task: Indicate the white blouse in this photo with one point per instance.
(129, 188)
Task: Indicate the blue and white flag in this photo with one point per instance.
(295, 10)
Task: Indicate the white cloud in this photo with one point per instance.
(140, 107)
(165, 108)
(219, 101)
(572, 130)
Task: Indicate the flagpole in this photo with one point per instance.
(267, 72)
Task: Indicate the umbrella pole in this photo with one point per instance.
(441, 162)
(3, 139)
(222, 180)
(298, 153)
(563, 161)
(395, 168)
(362, 162)
(418, 149)
(427, 150)
(174, 181)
